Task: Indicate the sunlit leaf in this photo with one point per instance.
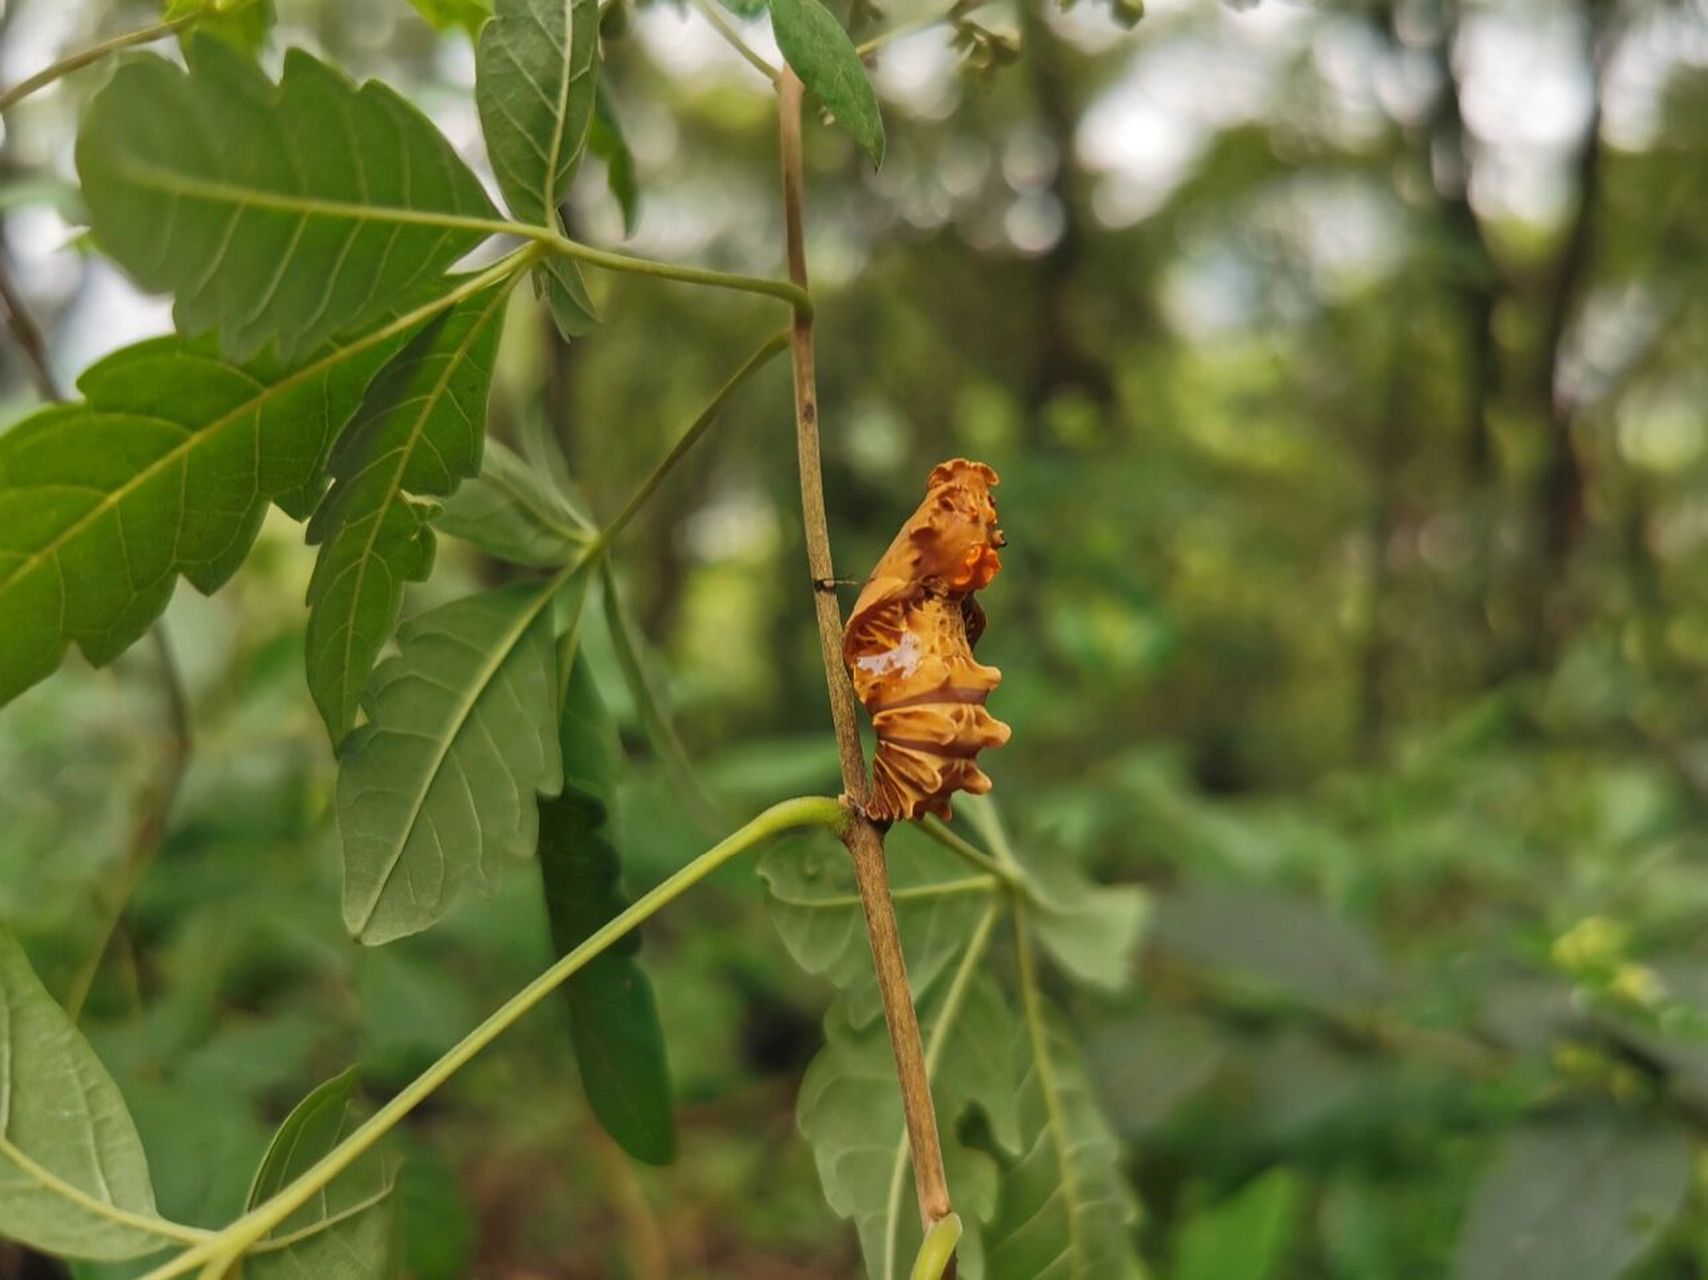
(850, 1112)
(244, 25)
(1575, 1199)
(438, 789)
(288, 211)
(164, 469)
(73, 1177)
(535, 71)
(619, 1044)
(443, 15)
(823, 56)
(419, 432)
(348, 1231)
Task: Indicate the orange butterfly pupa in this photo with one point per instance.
(909, 647)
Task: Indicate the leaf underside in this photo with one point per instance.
(285, 212)
(73, 1176)
(438, 788)
(418, 434)
(509, 512)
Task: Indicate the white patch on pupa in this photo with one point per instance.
(903, 658)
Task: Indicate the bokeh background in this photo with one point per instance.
(1346, 365)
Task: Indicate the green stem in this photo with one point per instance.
(917, 893)
(937, 1250)
(691, 437)
(234, 1240)
(912, 27)
(961, 847)
(1032, 1006)
(625, 643)
(94, 53)
(732, 37)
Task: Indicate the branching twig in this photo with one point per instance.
(864, 841)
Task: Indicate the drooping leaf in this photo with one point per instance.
(824, 57)
(606, 141)
(73, 1176)
(244, 26)
(815, 906)
(534, 85)
(1576, 1199)
(510, 513)
(346, 1232)
(1244, 1237)
(1065, 1210)
(613, 1018)
(438, 789)
(443, 15)
(850, 1112)
(289, 211)
(165, 468)
(418, 433)
(573, 312)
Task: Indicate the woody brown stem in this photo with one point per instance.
(865, 842)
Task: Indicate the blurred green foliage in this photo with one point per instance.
(1344, 367)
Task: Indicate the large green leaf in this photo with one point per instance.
(619, 1044)
(509, 512)
(824, 57)
(1577, 1199)
(815, 906)
(165, 468)
(850, 1112)
(439, 787)
(286, 212)
(1065, 1210)
(73, 1177)
(534, 85)
(418, 433)
(346, 1232)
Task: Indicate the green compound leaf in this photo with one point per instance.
(572, 309)
(824, 58)
(438, 789)
(73, 1177)
(418, 434)
(619, 1043)
(850, 1113)
(508, 512)
(534, 85)
(346, 1232)
(288, 212)
(165, 468)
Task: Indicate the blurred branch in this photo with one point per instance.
(94, 53)
(708, 10)
(27, 337)
(864, 841)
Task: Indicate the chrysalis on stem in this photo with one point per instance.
(909, 647)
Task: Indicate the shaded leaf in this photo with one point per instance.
(815, 906)
(619, 1043)
(1272, 939)
(850, 1112)
(508, 512)
(418, 433)
(244, 26)
(346, 1232)
(285, 211)
(1246, 1236)
(534, 79)
(443, 15)
(73, 1176)
(438, 788)
(606, 141)
(824, 57)
(573, 312)
(1065, 1210)
(166, 468)
(1577, 1199)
